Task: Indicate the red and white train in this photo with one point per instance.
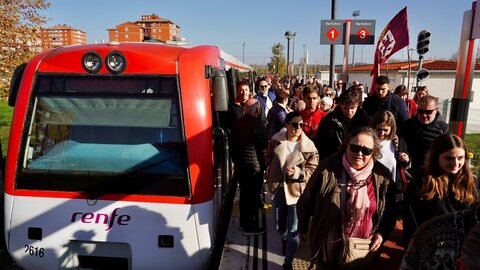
(116, 158)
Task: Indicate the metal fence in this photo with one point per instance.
(473, 121)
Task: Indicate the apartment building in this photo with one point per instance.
(148, 28)
(62, 35)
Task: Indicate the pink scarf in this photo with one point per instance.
(358, 204)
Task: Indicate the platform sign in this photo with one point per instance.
(331, 32)
(363, 32)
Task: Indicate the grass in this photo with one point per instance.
(5, 121)
(473, 146)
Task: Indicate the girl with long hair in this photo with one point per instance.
(447, 184)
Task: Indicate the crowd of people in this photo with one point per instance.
(339, 163)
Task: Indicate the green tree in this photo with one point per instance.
(277, 64)
(20, 24)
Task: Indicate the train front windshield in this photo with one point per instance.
(105, 135)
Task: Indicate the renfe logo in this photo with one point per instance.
(98, 218)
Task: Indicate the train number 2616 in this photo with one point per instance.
(34, 251)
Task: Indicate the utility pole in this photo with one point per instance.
(332, 49)
(355, 14)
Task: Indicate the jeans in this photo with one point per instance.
(286, 222)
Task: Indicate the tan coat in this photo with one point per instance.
(304, 159)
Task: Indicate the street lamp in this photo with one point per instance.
(293, 52)
(288, 35)
(355, 14)
(277, 57)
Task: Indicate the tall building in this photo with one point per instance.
(148, 28)
(62, 35)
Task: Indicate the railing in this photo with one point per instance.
(473, 121)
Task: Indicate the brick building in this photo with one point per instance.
(148, 28)
(62, 35)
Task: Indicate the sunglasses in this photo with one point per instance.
(355, 148)
(263, 86)
(420, 111)
(297, 125)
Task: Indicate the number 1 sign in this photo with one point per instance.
(331, 32)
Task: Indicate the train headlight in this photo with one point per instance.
(116, 62)
(92, 62)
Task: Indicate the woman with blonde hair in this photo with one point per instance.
(447, 184)
(419, 93)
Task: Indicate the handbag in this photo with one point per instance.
(355, 252)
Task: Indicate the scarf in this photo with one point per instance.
(358, 222)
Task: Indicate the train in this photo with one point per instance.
(118, 157)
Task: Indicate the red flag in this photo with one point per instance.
(393, 38)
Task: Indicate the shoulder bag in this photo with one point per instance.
(355, 252)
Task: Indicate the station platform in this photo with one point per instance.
(264, 251)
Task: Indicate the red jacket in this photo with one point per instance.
(411, 107)
(311, 121)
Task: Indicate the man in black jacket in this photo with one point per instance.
(421, 130)
(249, 142)
(383, 99)
(335, 126)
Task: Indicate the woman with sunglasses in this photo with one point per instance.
(369, 209)
(446, 185)
(291, 159)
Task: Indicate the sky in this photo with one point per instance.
(262, 23)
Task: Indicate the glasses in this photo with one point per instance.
(420, 111)
(297, 125)
(263, 86)
(355, 148)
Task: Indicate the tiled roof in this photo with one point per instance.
(438, 65)
(129, 24)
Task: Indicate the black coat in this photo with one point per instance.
(335, 127)
(392, 103)
(416, 210)
(419, 138)
(249, 143)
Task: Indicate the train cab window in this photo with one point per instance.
(103, 135)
